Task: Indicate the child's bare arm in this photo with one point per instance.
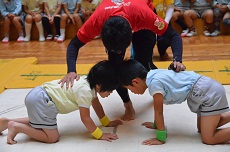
(159, 119)
(57, 11)
(78, 7)
(90, 125)
(41, 9)
(158, 110)
(101, 114)
(46, 9)
(25, 9)
(67, 11)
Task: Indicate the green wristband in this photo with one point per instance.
(161, 135)
(155, 124)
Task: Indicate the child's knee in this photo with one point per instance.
(53, 140)
(226, 21)
(208, 141)
(7, 20)
(64, 16)
(217, 13)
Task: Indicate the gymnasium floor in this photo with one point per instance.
(182, 134)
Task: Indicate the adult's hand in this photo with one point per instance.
(176, 66)
(69, 79)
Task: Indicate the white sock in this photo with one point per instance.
(62, 32)
(28, 29)
(40, 30)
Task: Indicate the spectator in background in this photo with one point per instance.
(199, 9)
(72, 13)
(33, 10)
(88, 7)
(164, 9)
(221, 11)
(11, 11)
(178, 15)
(52, 9)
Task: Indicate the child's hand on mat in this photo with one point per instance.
(109, 137)
(148, 125)
(114, 123)
(152, 141)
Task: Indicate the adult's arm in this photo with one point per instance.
(177, 47)
(71, 56)
(72, 53)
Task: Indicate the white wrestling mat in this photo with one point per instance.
(182, 134)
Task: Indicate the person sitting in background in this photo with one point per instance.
(164, 9)
(88, 7)
(180, 6)
(11, 11)
(33, 10)
(72, 13)
(52, 9)
(221, 11)
(199, 9)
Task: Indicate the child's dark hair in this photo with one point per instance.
(116, 34)
(129, 70)
(103, 74)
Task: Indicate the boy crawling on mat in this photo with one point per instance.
(43, 103)
(205, 97)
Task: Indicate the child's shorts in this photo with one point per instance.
(183, 8)
(41, 110)
(201, 10)
(207, 97)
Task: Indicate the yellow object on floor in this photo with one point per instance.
(9, 68)
(25, 73)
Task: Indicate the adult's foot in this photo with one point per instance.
(129, 112)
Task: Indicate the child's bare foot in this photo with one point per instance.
(129, 112)
(11, 133)
(148, 125)
(3, 124)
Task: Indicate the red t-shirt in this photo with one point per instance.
(139, 14)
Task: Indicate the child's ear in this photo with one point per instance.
(135, 82)
(97, 88)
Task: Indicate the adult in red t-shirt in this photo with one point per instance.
(120, 22)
